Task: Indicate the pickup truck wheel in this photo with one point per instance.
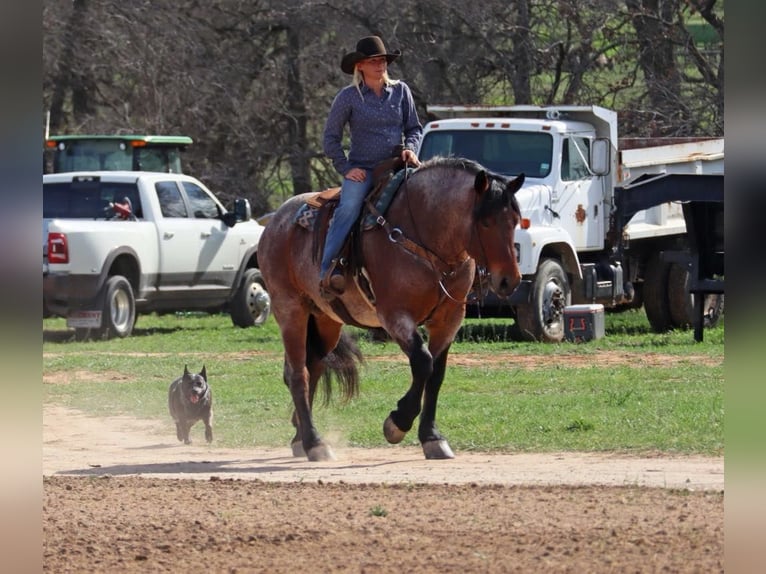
(656, 300)
(682, 302)
(543, 319)
(119, 308)
(252, 304)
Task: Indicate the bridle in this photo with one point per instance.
(444, 269)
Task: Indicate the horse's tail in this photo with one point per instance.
(340, 363)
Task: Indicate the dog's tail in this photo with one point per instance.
(341, 363)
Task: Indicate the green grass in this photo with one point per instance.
(553, 398)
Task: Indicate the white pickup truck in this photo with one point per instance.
(119, 243)
(602, 223)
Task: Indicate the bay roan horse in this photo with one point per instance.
(449, 215)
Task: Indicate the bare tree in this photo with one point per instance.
(653, 21)
(252, 82)
(72, 81)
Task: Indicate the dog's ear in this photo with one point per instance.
(186, 370)
(203, 373)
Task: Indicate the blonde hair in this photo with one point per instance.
(358, 80)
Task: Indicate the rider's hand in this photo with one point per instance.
(409, 158)
(356, 174)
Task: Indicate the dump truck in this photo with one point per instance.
(604, 220)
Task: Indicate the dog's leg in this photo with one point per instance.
(186, 430)
(208, 420)
(179, 431)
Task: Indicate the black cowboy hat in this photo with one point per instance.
(368, 47)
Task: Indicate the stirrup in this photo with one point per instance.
(333, 283)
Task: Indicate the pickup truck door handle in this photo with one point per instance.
(168, 235)
(205, 234)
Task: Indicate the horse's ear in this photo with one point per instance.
(515, 184)
(481, 183)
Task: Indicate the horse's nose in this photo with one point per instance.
(507, 285)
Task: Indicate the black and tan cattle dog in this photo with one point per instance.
(190, 399)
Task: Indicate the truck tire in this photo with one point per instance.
(543, 319)
(656, 300)
(119, 308)
(682, 302)
(251, 305)
(118, 311)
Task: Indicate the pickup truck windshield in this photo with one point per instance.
(87, 199)
(507, 152)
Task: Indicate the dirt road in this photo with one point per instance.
(119, 497)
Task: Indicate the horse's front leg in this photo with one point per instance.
(400, 420)
(435, 446)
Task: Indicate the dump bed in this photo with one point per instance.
(639, 157)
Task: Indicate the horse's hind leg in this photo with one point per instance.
(304, 348)
(315, 370)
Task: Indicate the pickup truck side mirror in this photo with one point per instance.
(600, 156)
(242, 212)
(242, 209)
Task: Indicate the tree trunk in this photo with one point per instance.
(296, 116)
(652, 20)
(522, 55)
(73, 76)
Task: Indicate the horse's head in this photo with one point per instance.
(496, 216)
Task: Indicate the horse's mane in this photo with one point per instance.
(468, 165)
(494, 200)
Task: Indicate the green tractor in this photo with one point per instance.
(65, 153)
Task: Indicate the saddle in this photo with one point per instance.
(381, 175)
(316, 214)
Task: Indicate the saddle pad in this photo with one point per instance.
(306, 216)
(384, 200)
(307, 213)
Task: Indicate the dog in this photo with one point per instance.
(190, 399)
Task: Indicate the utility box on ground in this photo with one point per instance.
(583, 322)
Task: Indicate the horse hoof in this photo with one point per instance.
(298, 451)
(320, 453)
(437, 449)
(393, 433)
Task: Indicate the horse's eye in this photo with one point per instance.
(485, 223)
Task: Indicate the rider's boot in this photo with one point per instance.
(334, 282)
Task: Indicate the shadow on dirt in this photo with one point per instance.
(251, 467)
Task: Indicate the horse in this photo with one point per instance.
(420, 261)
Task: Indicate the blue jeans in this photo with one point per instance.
(352, 194)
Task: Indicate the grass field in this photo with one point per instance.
(631, 391)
